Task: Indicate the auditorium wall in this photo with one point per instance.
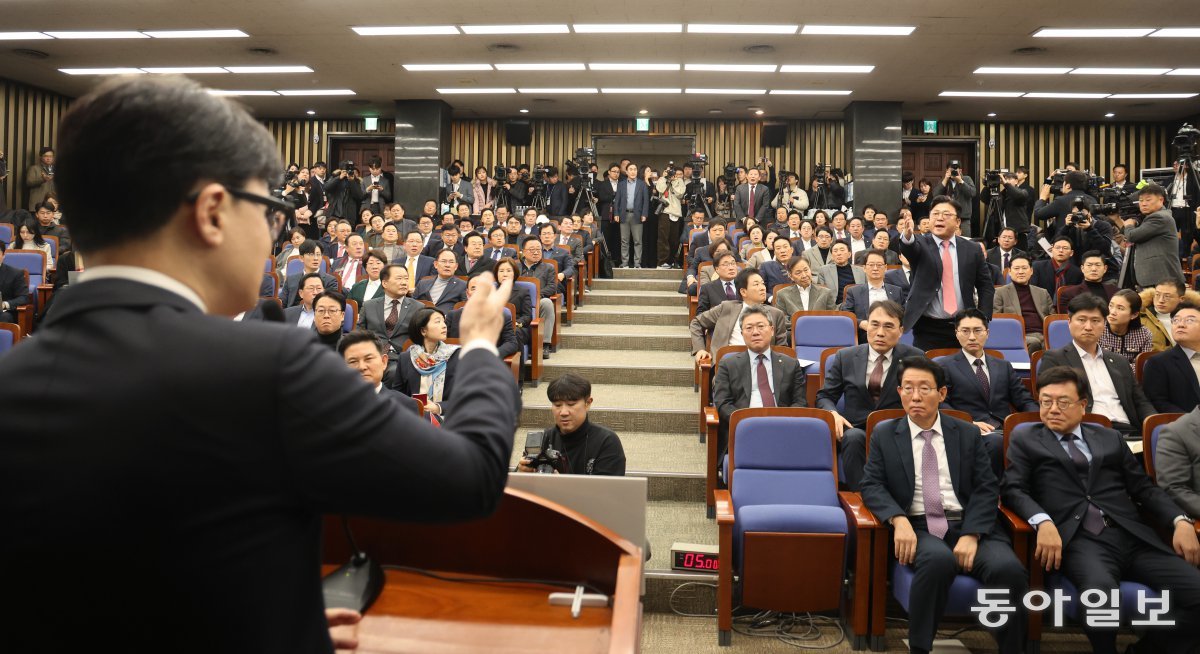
(28, 120)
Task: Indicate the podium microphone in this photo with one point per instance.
(271, 311)
(357, 584)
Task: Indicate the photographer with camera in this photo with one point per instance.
(574, 445)
(791, 196)
(1053, 213)
(295, 188)
(377, 188)
(1153, 241)
(671, 187)
(1089, 230)
(557, 198)
(958, 187)
(516, 190)
(456, 191)
(344, 190)
(1013, 202)
(698, 188)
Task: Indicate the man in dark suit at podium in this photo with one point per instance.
(194, 491)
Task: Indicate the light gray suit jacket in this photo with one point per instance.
(721, 321)
(1156, 257)
(1006, 300)
(827, 276)
(371, 317)
(1177, 461)
(813, 257)
(819, 299)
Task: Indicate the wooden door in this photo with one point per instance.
(929, 161)
(360, 152)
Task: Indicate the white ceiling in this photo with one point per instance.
(951, 40)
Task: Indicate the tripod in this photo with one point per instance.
(822, 197)
(586, 193)
(994, 207)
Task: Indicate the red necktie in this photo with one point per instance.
(751, 212)
(949, 299)
(764, 384)
(875, 381)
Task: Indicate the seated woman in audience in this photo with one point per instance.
(427, 367)
(291, 250)
(390, 244)
(28, 237)
(1124, 333)
(755, 241)
(808, 232)
(364, 221)
(764, 255)
(723, 205)
(373, 234)
(506, 269)
(820, 218)
(371, 287)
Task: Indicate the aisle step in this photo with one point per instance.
(673, 421)
(633, 285)
(667, 298)
(660, 368)
(626, 314)
(625, 337)
(648, 273)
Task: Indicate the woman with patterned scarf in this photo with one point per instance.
(428, 366)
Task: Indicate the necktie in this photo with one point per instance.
(1093, 520)
(983, 380)
(1005, 266)
(470, 264)
(1196, 364)
(931, 488)
(393, 317)
(875, 381)
(729, 291)
(751, 212)
(949, 301)
(764, 383)
(412, 272)
(1059, 275)
(496, 254)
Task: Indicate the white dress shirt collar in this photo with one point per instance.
(145, 276)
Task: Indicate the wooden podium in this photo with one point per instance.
(528, 537)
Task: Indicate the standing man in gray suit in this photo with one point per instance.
(752, 199)
(630, 211)
(1177, 460)
(1155, 242)
(388, 316)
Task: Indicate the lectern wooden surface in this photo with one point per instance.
(527, 537)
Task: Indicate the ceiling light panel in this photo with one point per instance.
(196, 34)
(822, 68)
(515, 29)
(711, 28)
(808, 92)
(641, 90)
(726, 91)
(475, 91)
(406, 30)
(644, 67)
(101, 71)
(860, 30)
(1185, 71)
(23, 36)
(1190, 32)
(253, 70)
(230, 92)
(1020, 70)
(628, 28)
(1068, 96)
(1151, 96)
(1119, 71)
(98, 35)
(1105, 33)
(982, 94)
(732, 68)
(420, 68)
(187, 70)
(540, 66)
(293, 92)
(559, 91)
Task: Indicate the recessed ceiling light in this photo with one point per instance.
(316, 92)
(643, 112)
(1108, 33)
(251, 70)
(125, 34)
(524, 111)
(759, 112)
(1020, 70)
(1185, 71)
(1178, 32)
(556, 91)
(406, 30)
(1119, 71)
(101, 71)
(821, 68)
(728, 91)
(981, 94)
(654, 66)
(23, 36)
(187, 70)
(231, 92)
(417, 68)
(992, 115)
(808, 92)
(732, 68)
(860, 30)
(475, 90)
(1109, 115)
(712, 28)
(641, 90)
(1068, 96)
(515, 29)
(628, 28)
(311, 112)
(1151, 96)
(540, 66)
(197, 34)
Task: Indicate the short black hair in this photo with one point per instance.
(569, 387)
(386, 273)
(919, 362)
(420, 320)
(1185, 304)
(1016, 257)
(444, 251)
(43, 205)
(882, 254)
(1077, 179)
(525, 241)
(743, 278)
(1057, 239)
(970, 312)
(1180, 287)
(359, 336)
(721, 257)
(308, 247)
(946, 199)
(716, 222)
(332, 295)
(497, 228)
(1008, 229)
(1064, 375)
(1092, 253)
(1152, 188)
(547, 225)
(1123, 166)
(308, 276)
(160, 131)
(469, 235)
(1087, 302)
(890, 307)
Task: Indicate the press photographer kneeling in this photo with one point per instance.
(574, 445)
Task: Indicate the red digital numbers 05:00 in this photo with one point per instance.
(699, 561)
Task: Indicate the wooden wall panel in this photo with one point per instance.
(28, 120)
(1046, 146)
(304, 141)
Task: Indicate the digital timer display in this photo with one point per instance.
(695, 561)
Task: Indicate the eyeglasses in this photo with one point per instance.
(942, 214)
(328, 312)
(277, 211)
(1063, 403)
(873, 265)
(923, 391)
(977, 331)
(1189, 321)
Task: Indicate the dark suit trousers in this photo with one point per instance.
(933, 333)
(934, 569)
(1100, 562)
(852, 455)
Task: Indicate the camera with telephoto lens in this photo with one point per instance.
(955, 167)
(819, 173)
(729, 174)
(543, 458)
(698, 162)
(1119, 201)
(500, 173)
(994, 180)
(1077, 216)
(540, 173)
(348, 167)
(1185, 141)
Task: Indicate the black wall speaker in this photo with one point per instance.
(774, 135)
(518, 132)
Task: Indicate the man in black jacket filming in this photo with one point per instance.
(1054, 212)
(588, 448)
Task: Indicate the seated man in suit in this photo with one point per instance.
(715, 233)
(724, 321)
(1006, 248)
(1114, 393)
(473, 261)
(444, 289)
(1059, 270)
(349, 268)
(329, 310)
(14, 292)
(982, 385)
(507, 343)
(571, 241)
(1177, 461)
(416, 264)
(882, 241)
(367, 354)
(498, 247)
(533, 266)
(863, 377)
(548, 235)
(839, 273)
(301, 314)
(928, 476)
(803, 294)
(310, 258)
(774, 272)
(336, 249)
(1170, 378)
(388, 316)
(1094, 269)
(589, 448)
(757, 377)
(1084, 492)
(446, 238)
(1030, 301)
(721, 289)
(861, 297)
(901, 277)
(1157, 307)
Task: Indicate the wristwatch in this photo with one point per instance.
(1182, 518)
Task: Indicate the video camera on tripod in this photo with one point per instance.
(581, 167)
(993, 180)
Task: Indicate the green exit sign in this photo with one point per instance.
(931, 127)
(641, 124)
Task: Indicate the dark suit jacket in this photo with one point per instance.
(846, 376)
(507, 343)
(731, 388)
(890, 474)
(408, 380)
(456, 291)
(605, 197)
(857, 299)
(482, 265)
(996, 257)
(710, 295)
(372, 316)
(113, 490)
(641, 199)
(13, 288)
(966, 393)
(1170, 382)
(424, 265)
(405, 402)
(509, 253)
(974, 276)
(762, 201)
(543, 272)
(897, 278)
(1043, 276)
(1133, 400)
(559, 199)
(1041, 478)
(290, 293)
(1070, 292)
